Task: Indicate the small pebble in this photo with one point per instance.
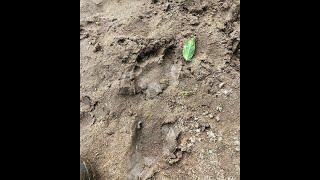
(217, 118)
(183, 149)
(205, 113)
(210, 116)
(167, 7)
(205, 126)
(110, 132)
(236, 143)
(211, 134)
(221, 85)
(210, 151)
(139, 126)
(219, 108)
(196, 126)
(197, 130)
(192, 139)
(227, 92)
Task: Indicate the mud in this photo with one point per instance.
(145, 113)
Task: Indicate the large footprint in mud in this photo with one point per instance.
(153, 70)
(153, 144)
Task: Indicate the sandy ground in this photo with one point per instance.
(145, 113)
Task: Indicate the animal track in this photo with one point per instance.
(152, 143)
(151, 72)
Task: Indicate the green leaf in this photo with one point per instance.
(189, 48)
